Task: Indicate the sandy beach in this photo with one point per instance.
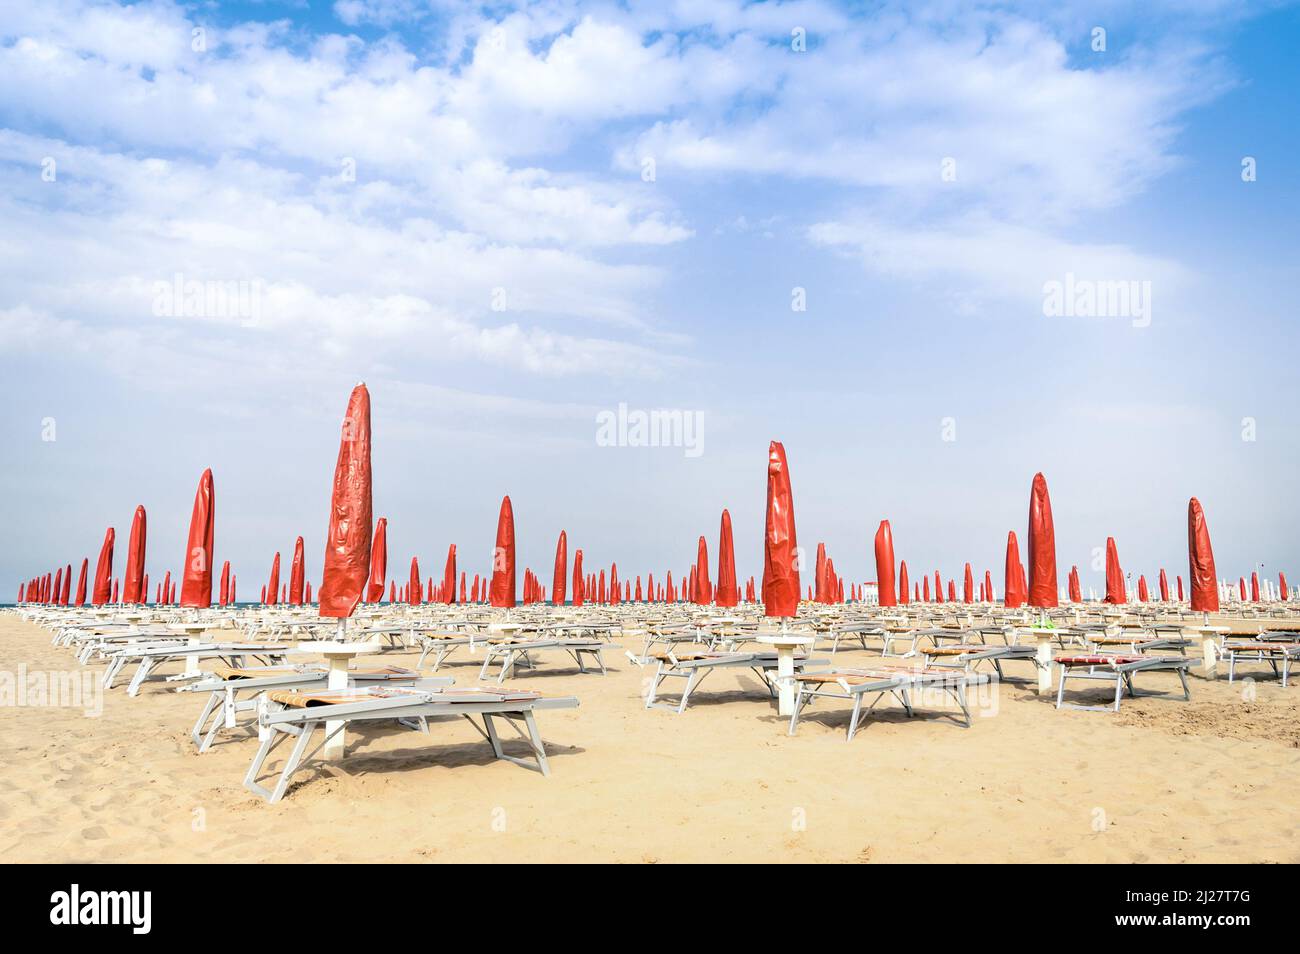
(1213, 780)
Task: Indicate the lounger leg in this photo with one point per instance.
(1182, 677)
(142, 673)
(961, 701)
(686, 693)
(856, 717)
(1119, 690)
(487, 661)
(1060, 690)
(259, 759)
(195, 733)
(424, 654)
(798, 707)
(291, 765)
(654, 685)
(538, 745)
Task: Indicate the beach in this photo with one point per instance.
(1163, 780)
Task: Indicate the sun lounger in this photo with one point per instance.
(234, 689)
(1138, 641)
(440, 646)
(695, 666)
(288, 713)
(150, 658)
(509, 651)
(856, 684)
(1277, 654)
(968, 656)
(1119, 670)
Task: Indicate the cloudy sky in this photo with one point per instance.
(835, 225)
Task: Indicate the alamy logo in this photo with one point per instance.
(1085, 298)
(102, 907)
(661, 427)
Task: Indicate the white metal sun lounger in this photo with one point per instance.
(968, 656)
(511, 651)
(856, 684)
(694, 667)
(226, 684)
(1278, 655)
(151, 658)
(442, 645)
(1117, 669)
(286, 713)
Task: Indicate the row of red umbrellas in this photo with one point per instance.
(355, 564)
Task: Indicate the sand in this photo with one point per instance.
(1214, 780)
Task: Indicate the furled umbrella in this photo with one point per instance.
(780, 547)
(1200, 559)
(884, 545)
(297, 574)
(378, 562)
(413, 591)
(502, 590)
(449, 576)
(560, 574)
(1043, 591)
(133, 578)
(1012, 594)
(196, 578)
(273, 582)
(904, 594)
(727, 593)
(103, 589)
(347, 544)
(1114, 575)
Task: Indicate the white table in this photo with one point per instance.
(785, 644)
(339, 656)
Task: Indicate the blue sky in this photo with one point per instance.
(499, 157)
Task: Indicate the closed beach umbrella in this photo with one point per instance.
(1254, 587)
(703, 588)
(502, 591)
(727, 593)
(1076, 590)
(903, 592)
(297, 574)
(273, 583)
(1164, 586)
(347, 544)
(133, 578)
(378, 562)
(196, 576)
(413, 586)
(1114, 575)
(968, 586)
(449, 576)
(780, 563)
(1042, 546)
(1200, 559)
(1012, 595)
(560, 573)
(103, 589)
(578, 588)
(1143, 594)
(224, 594)
(884, 545)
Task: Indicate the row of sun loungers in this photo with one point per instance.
(938, 665)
